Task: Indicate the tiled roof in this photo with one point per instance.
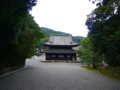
(61, 39)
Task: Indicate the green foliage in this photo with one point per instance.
(77, 39)
(104, 33)
(87, 54)
(28, 38)
(48, 32)
(18, 33)
(84, 52)
(43, 40)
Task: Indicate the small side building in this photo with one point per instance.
(59, 47)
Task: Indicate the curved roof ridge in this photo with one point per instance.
(60, 35)
(61, 40)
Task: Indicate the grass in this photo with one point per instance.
(112, 72)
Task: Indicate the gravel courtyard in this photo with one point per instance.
(56, 76)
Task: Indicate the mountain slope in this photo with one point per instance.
(48, 32)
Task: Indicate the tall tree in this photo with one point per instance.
(12, 22)
(103, 24)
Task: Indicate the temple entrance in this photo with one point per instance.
(60, 56)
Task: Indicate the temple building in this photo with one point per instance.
(59, 47)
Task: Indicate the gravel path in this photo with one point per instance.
(56, 76)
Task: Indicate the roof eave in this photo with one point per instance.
(61, 45)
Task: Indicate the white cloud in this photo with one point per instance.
(63, 15)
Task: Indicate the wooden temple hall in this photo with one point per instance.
(59, 47)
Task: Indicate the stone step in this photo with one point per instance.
(54, 61)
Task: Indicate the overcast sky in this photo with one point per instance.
(63, 15)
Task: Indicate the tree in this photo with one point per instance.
(103, 24)
(27, 40)
(15, 32)
(86, 53)
(43, 40)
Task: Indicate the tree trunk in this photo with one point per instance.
(88, 64)
(94, 66)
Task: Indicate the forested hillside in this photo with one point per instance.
(48, 32)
